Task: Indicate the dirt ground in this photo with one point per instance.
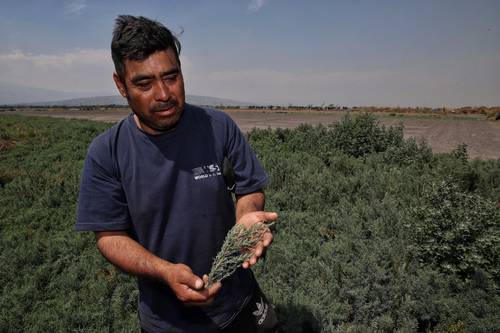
(443, 133)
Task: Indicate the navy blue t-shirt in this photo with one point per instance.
(168, 192)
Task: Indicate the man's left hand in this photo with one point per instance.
(250, 219)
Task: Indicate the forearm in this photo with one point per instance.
(128, 255)
(248, 203)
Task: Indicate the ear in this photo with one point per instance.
(120, 85)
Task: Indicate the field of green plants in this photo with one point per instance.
(376, 233)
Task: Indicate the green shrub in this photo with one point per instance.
(457, 232)
(376, 234)
(361, 135)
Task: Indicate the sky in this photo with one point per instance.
(383, 53)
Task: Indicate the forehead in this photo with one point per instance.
(156, 63)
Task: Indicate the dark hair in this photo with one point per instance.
(137, 37)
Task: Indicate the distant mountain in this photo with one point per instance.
(11, 94)
(85, 101)
(19, 94)
(119, 100)
(214, 101)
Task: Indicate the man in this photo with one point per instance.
(153, 192)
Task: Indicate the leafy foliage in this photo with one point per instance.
(53, 279)
(457, 231)
(358, 136)
(236, 249)
(376, 233)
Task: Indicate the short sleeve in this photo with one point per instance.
(250, 176)
(102, 204)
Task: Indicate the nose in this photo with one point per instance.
(162, 91)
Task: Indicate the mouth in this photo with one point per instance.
(165, 109)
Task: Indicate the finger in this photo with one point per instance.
(270, 216)
(208, 294)
(253, 260)
(264, 216)
(214, 289)
(267, 239)
(193, 296)
(259, 249)
(191, 280)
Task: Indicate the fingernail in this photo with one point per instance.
(198, 284)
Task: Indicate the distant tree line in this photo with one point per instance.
(491, 112)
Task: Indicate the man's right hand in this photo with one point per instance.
(189, 288)
(130, 256)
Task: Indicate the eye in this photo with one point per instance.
(170, 77)
(144, 85)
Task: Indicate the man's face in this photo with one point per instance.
(154, 88)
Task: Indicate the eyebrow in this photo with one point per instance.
(170, 72)
(141, 77)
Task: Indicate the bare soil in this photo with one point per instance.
(442, 132)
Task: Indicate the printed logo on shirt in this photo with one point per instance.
(261, 312)
(206, 171)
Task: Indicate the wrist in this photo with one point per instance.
(162, 270)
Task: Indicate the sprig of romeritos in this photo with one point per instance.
(237, 248)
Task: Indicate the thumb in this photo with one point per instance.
(269, 216)
(192, 281)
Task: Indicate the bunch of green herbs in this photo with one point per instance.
(237, 248)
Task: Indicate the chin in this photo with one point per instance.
(169, 123)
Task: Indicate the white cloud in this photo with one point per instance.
(77, 70)
(255, 5)
(74, 7)
(62, 60)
